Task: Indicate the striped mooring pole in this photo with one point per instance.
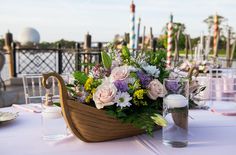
(215, 35)
(169, 41)
(132, 26)
(138, 32)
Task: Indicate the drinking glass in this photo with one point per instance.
(53, 124)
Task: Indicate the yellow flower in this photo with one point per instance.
(88, 83)
(139, 94)
(93, 90)
(88, 98)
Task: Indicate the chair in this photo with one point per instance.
(33, 90)
(223, 90)
(2, 62)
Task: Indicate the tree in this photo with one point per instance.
(1, 43)
(210, 21)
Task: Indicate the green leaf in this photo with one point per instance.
(159, 120)
(106, 60)
(125, 52)
(57, 104)
(81, 77)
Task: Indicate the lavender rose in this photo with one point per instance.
(155, 89)
(105, 95)
(119, 73)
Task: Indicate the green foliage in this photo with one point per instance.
(125, 53)
(159, 120)
(1, 43)
(158, 59)
(140, 117)
(106, 60)
(81, 77)
(162, 41)
(57, 104)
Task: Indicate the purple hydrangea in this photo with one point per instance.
(144, 78)
(121, 85)
(172, 85)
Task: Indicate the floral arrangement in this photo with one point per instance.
(127, 87)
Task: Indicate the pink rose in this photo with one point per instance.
(155, 89)
(119, 73)
(105, 95)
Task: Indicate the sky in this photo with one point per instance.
(72, 19)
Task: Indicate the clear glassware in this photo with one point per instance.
(53, 124)
(175, 111)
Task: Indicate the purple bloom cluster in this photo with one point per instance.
(144, 78)
(121, 85)
(172, 85)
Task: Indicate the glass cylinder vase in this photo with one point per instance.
(175, 111)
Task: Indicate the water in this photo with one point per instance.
(53, 125)
(175, 134)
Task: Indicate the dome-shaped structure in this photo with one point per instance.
(29, 36)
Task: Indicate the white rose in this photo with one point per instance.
(155, 89)
(105, 95)
(119, 73)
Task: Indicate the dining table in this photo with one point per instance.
(209, 134)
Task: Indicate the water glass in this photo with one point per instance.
(175, 111)
(53, 124)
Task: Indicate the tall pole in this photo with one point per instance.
(201, 46)
(138, 31)
(143, 37)
(132, 22)
(216, 35)
(151, 37)
(186, 46)
(228, 47)
(232, 53)
(169, 41)
(10, 49)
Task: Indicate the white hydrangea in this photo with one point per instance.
(152, 70)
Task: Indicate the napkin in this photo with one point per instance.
(29, 107)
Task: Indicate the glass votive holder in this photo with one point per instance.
(175, 111)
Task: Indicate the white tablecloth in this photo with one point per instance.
(209, 133)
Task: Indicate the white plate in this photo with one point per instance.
(7, 116)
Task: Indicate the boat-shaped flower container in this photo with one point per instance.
(88, 123)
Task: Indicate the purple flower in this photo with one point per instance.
(144, 78)
(96, 71)
(172, 85)
(121, 85)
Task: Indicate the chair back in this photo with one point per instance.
(35, 92)
(2, 62)
(223, 91)
(223, 84)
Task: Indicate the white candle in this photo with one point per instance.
(175, 101)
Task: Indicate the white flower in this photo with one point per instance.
(152, 70)
(131, 80)
(119, 73)
(122, 99)
(132, 69)
(105, 95)
(155, 89)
